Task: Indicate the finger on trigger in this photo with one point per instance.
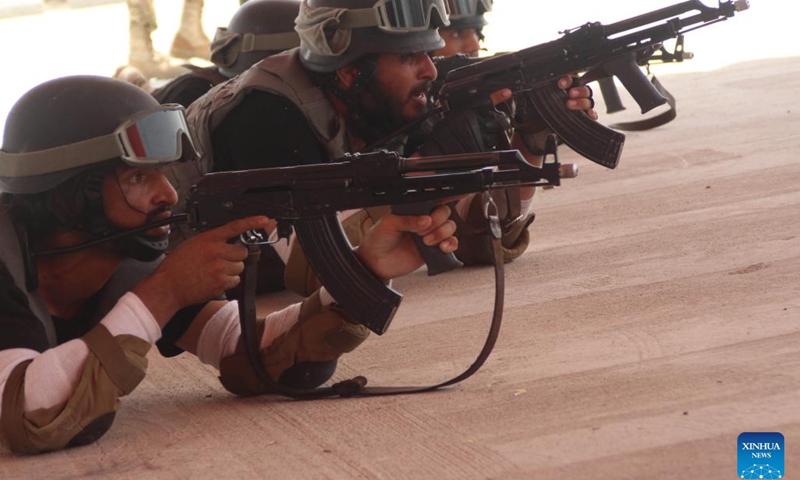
(237, 227)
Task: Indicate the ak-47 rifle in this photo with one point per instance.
(597, 49)
(308, 197)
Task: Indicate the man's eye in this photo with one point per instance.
(138, 177)
(406, 57)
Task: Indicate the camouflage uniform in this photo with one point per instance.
(190, 40)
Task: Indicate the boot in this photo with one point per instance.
(151, 63)
(141, 54)
(191, 40)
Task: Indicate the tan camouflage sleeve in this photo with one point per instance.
(116, 365)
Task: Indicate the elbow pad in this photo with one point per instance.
(115, 366)
(318, 337)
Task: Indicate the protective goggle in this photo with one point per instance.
(227, 45)
(399, 16)
(147, 139)
(468, 8)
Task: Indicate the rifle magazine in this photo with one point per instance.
(587, 137)
(355, 288)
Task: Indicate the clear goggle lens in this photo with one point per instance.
(153, 137)
(411, 15)
(156, 136)
(469, 8)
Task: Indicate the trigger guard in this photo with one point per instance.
(504, 113)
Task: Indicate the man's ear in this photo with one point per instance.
(347, 76)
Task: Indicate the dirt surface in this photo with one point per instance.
(653, 320)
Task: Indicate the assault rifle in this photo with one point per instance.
(597, 49)
(307, 198)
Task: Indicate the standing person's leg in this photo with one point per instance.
(142, 17)
(191, 40)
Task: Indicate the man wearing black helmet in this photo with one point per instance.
(465, 32)
(362, 71)
(258, 29)
(81, 303)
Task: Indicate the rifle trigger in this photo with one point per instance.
(253, 237)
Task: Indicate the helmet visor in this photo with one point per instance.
(399, 16)
(468, 8)
(149, 138)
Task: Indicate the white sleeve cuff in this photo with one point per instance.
(131, 317)
(220, 335)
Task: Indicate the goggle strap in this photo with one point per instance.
(269, 41)
(58, 159)
(360, 18)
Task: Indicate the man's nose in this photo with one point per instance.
(472, 44)
(165, 192)
(427, 68)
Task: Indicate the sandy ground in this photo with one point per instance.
(654, 319)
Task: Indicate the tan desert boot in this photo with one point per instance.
(191, 41)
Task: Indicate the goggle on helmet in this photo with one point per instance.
(399, 16)
(468, 8)
(149, 138)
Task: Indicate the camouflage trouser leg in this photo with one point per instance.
(142, 14)
(142, 56)
(190, 40)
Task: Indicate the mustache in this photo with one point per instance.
(152, 216)
(423, 87)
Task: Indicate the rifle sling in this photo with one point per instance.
(652, 122)
(356, 386)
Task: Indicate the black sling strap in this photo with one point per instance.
(357, 386)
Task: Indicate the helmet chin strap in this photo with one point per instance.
(116, 237)
(141, 247)
(131, 242)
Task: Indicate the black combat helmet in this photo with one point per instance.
(68, 125)
(468, 13)
(258, 29)
(63, 136)
(331, 39)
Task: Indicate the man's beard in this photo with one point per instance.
(378, 113)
